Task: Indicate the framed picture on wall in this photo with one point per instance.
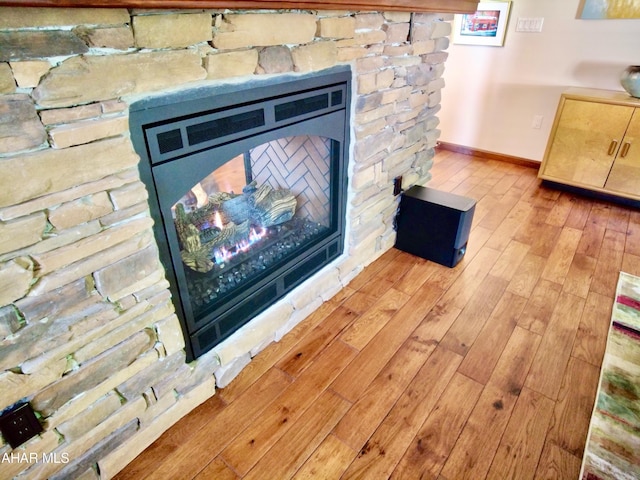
(487, 26)
(603, 9)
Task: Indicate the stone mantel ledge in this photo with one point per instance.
(422, 6)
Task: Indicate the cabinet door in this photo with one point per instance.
(586, 140)
(625, 174)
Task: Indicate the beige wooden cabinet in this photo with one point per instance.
(595, 143)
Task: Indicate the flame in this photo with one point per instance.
(217, 220)
(243, 246)
(255, 236)
(222, 255)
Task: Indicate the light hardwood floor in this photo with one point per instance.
(418, 371)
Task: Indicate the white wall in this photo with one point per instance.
(493, 93)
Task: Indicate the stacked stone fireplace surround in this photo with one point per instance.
(87, 330)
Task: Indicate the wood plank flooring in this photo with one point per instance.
(415, 370)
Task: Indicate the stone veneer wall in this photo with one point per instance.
(87, 330)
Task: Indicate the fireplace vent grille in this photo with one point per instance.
(186, 135)
(222, 127)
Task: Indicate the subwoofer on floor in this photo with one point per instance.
(434, 225)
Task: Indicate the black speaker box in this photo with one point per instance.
(434, 225)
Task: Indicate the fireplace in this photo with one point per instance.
(247, 190)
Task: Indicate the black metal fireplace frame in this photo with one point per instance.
(232, 119)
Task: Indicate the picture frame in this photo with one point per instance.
(487, 26)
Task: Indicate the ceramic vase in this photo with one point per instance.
(630, 80)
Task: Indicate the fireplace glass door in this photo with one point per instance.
(248, 193)
(250, 215)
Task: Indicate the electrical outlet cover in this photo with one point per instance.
(19, 425)
(397, 185)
